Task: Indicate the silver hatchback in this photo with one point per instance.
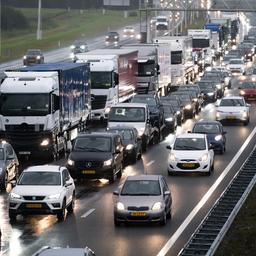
(143, 198)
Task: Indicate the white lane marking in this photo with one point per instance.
(149, 163)
(87, 213)
(193, 213)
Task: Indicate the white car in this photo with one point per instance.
(191, 152)
(233, 108)
(43, 189)
(236, 66)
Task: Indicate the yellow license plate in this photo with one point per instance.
(231, 117)
(34, 205)
(138, 214)
(88, 171)
(188, 165)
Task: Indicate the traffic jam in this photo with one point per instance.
(113, 150)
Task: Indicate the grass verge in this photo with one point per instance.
(59, 28)
(240, 239)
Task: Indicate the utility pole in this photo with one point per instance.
(39, 31)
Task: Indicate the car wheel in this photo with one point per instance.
(164, 219)
(169, 214)
(111, 178)
(140, 154)
(12, 215)
(61, 213)
(117, 222)
(71, 207)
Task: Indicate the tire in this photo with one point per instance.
(169, 214)
(71, 207)
(12, 216)
(117, 223)
(111, 178)
(164, 219)
(3, 185)
(61, 213)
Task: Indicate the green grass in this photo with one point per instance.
(240, 239)
(60, 27)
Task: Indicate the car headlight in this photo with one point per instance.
(55, 196)
(107, 110)
(195, 99)
(72, 47)
(120, 206)
(24, 57)
(217, 114)
(157, 206)
(141, 132)
(169, 119)
(210, 93)
(178, 112)
(45, 142)
(15, 196)
(116, 37)
(38, 57)
(218, 86)
(249, 54)
(242, 92)
(82, 47)
(204, 157)
(129, 147)
(188, 107)
(71, 162)
(218, 137)
(172, 157)
(107, 162)
(245, 113)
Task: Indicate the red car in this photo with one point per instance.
(248, 90)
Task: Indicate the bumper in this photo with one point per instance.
(231, 117)
(189, 167)
(147, 216)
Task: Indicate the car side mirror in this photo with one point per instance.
(169, 147)
(10, 157)
(116, 193)
(67, 184)
(13, 183)
(224, 132)
(167, 193)
(248, 105)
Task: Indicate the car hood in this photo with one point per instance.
(36, 190)
(90, 156)
(139, 201)
(188, 154)
(231, 109)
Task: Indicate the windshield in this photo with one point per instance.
(201, 43)
(146, 69)
(162, 20)
(40, 179)
(176, 57)
(235, 62)
(93, 144)
(232, 103)
(147, 100)
(127, 114)
(101, 80)
(206, 128)
(1, 154)
(189, 144)
(25, 104)
(141, 188)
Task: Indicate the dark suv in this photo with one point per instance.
(33, 56)
(156, 110)
(112, 38)
(96, 155)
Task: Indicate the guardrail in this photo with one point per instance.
(209, 234)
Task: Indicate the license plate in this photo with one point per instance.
(231, 117)
(88, 171)
(24, 152)
(34, 206)
(138, 214)
(188, 165)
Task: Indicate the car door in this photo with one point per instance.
(10, 162)
(67, 183)
(167, 198)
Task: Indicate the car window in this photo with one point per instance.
(141, 187)
(93, 144)
(189, 144)
(65, 176)
(9, 150)
(40, 179)
(206, 128)
(231, 103)
(1, 154)
(164, 185)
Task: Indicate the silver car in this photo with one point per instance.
(143, 198)
(8, 164)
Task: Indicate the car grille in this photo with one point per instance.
(88, 164)
(135, 208)
(24, 207)
(98, 101)
(34, 198)
(181, 166)
(138, 217)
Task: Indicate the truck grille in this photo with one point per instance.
(24, 128)
(88, 164)
(98, 101)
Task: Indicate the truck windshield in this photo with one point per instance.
(36, 104)
(201, 43)
(127, 114)
(101, 80)
(176, 57)
(145, 69)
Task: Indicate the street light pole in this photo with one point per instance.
(39, 31)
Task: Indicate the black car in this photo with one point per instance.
(112, 38)
(96, 155)
(33, 56)
(156, 111)
(170, 117)
(218, 82)
(8, 164)
(131, 141)
(208, 91)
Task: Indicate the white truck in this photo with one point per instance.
(162, 23)
(113, 78)
(180, 48)
(202, 41)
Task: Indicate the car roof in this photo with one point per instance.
(131, 105)
(96, 134)
(144, 177)
(43, 168)
(191, 135)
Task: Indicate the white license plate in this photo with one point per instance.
(24, 152)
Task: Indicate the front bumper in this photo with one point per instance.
(193, 166)
(221, 116)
